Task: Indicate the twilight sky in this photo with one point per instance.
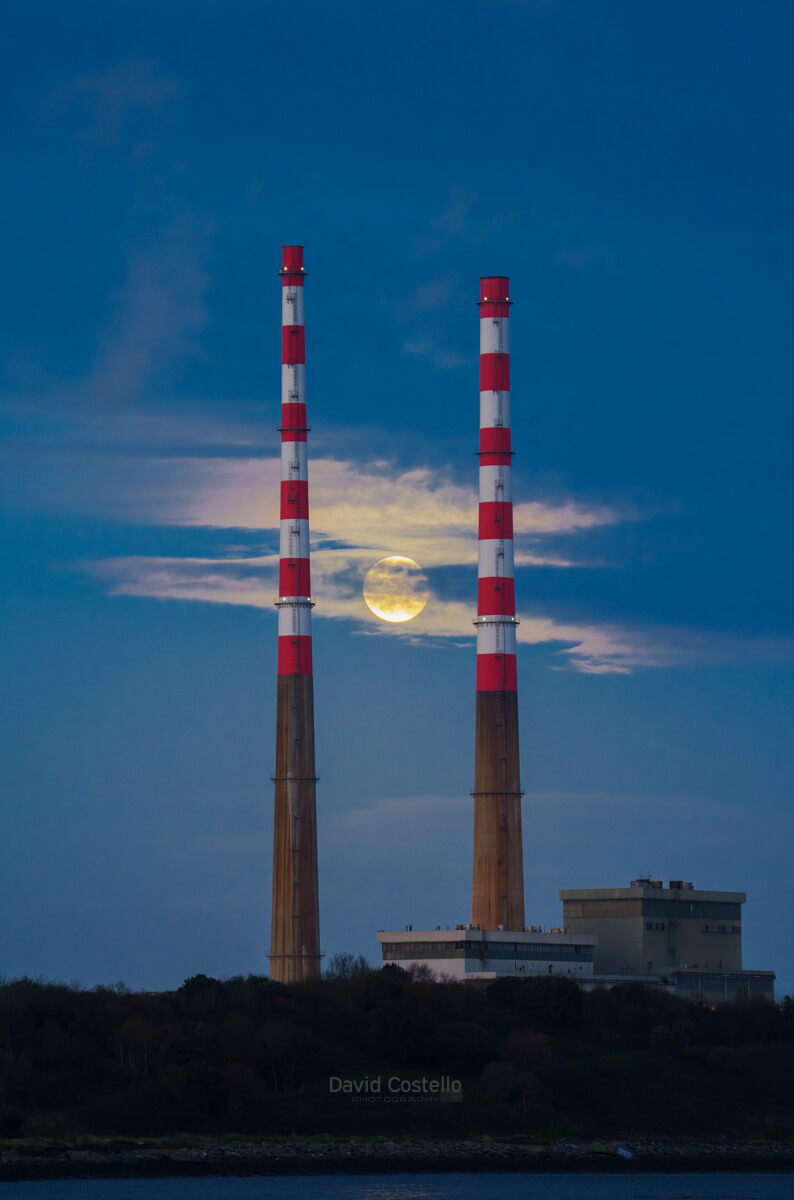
(630, 167)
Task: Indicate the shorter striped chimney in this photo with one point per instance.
(498, 885)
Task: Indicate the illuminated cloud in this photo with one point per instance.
(252, 582)
(411, 511)
(358, 516)
(337, 576)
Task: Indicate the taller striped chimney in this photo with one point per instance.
(498, 888)
(295, 920)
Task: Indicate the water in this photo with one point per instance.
(761, 1186)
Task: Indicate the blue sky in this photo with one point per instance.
(629, 166)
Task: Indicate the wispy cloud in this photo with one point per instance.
(159, 311)
(577, 258)
(114, 102)
(337, 582)
(156, 313)
(155, 319)
(649, 822)
(432, 296)
(359, 516)
(424, 309)
(415, 512)
(462, 219)
(436, 352)
(337, 577)
(361, 513)
(390, 825)
(452, 222)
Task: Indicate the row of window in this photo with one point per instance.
(673, 909)
(659, 926)
(423, 949)
(721, 910)
(587, 909)
(530, 951)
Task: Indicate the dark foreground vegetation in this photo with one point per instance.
(534, 1057)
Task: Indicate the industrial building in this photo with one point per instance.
(679, 937)
(610, 936)
(650, 929)
(471, 953)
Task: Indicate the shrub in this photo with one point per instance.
(11, 1121)
(549, 999)
(405, 1033)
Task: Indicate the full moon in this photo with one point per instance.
(395, 589)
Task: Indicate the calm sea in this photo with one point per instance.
(417, 1187)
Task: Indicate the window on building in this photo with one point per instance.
(525, 951)
(714, 910)
(588, 909)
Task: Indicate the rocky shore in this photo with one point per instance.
(297, 1156)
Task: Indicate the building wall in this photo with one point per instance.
(716, 988)
(463, 953)
(462, 967)
(712, 987)
(645, 930)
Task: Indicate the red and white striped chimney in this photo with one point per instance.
(294, 582)
(498, 888)
(295, 924)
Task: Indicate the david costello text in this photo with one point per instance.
(397, 1089)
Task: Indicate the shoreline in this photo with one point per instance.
(296, 1157)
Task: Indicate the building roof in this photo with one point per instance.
(490, 935)
(651, 889)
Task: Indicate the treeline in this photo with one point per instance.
(533, 1055)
